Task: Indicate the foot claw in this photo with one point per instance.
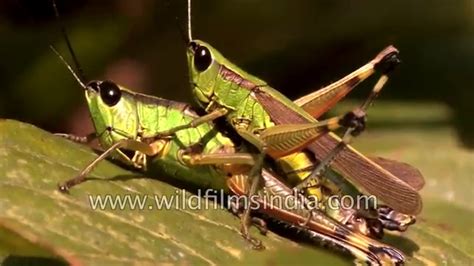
(260, 224)
(255, 243)
(63, 188)
(355, 119)
(244, 231)
(388, 63)
(389, 254)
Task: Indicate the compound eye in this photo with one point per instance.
(202, 58)
(110, 93)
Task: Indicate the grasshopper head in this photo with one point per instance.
(210, 71)
(112, 108)
(113, 111)
(203, 63)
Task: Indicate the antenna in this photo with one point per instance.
(190, 38)
(69, 67)
(80, 72)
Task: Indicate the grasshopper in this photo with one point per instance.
(125, 120)
(278, 127)
(109, 104)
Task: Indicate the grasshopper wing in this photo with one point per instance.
(351, 164)
(403, 171)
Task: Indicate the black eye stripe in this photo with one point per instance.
(110, 93)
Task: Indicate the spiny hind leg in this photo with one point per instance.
(242, 210)
(237, 208)
(254, 180)
(322, 100)
(284, 139)
(240, 184)
(280, 140)
(368, 219)
(356, 123)
(368, 225)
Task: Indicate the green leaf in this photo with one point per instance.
(38, 222)
(21, 246)
(66, 227)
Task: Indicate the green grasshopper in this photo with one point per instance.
(278, 127)
(129, 121)
(109, 104)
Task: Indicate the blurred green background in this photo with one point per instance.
(297, 46)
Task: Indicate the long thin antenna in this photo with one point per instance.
(190, 38)
(68, 43)
(69, 67)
